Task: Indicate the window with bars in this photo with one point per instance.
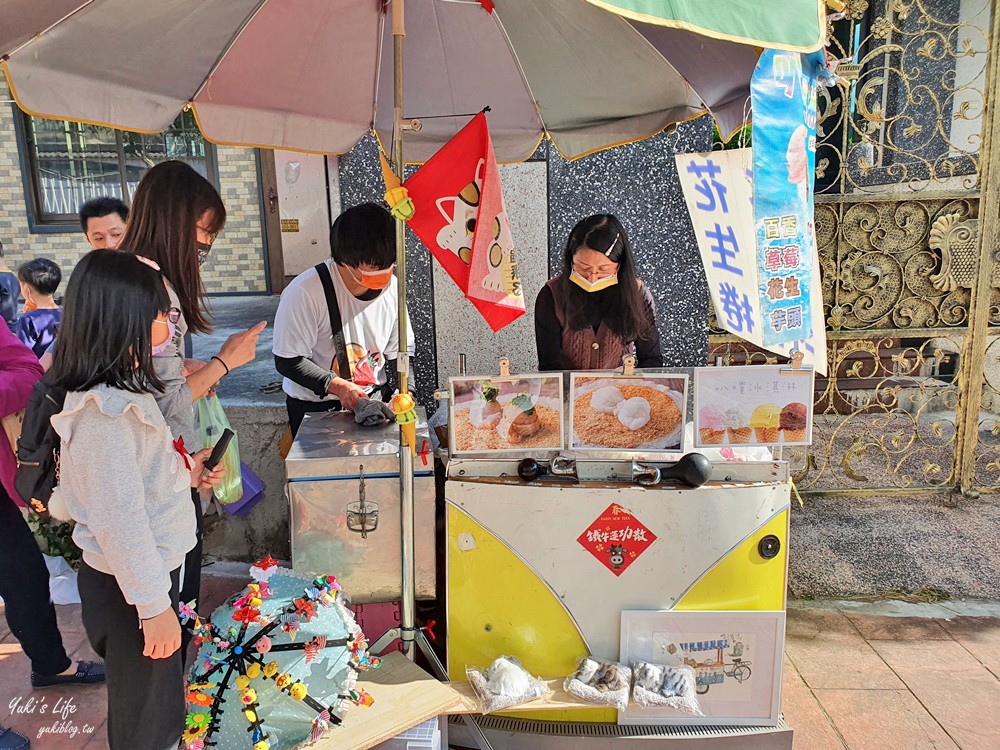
(68, 163)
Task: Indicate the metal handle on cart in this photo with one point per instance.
(362, 516)
(647, 476)
(560, 467)
(563, 466)
(694, 470)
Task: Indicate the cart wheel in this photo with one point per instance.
(742, 672)
(702, 689)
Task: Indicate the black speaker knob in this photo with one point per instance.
(769, 546)
(693, 469)
(529, 469)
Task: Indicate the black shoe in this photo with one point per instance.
(87, 673)
(11, 740)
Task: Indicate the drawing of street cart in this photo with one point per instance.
(711, 668)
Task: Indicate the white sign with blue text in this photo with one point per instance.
(718, 190)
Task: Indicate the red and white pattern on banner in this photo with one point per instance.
(616, 539)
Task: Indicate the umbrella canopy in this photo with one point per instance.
(796, 25)
(316, 75)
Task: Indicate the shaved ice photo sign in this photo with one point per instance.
(755, 405)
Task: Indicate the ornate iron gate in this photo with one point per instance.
(906, 223)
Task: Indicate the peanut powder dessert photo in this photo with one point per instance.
(507, 414)
(641, 412)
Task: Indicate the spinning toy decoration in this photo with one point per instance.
(276, 665)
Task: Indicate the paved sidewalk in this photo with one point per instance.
(870, 681)
(881, 676)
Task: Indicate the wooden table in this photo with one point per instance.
(405, 696)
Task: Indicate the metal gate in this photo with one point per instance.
(907, 194)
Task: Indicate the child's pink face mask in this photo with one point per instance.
(162, 334)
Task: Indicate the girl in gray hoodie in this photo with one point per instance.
(128, 488)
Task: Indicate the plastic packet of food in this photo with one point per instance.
(671, 686)
(605, 683)
(504, 684)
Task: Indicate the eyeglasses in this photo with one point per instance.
(606, 270)
(211, 235)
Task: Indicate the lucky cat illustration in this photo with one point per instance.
(503, 270)
(456, 234)
(461, 212)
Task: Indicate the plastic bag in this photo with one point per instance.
(726, 452)
(658, 685)
(212, 423)
(63, 586)
(605, 683)
(253, 493)
(504, 684)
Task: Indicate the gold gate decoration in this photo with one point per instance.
(899, 182)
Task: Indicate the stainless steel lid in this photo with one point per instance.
(332, 444)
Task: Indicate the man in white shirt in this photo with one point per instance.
(363, 246)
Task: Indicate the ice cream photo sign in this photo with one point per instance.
(506, 414)
(636, 413)
(753, 405)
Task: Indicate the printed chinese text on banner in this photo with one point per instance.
(783, 97)
(718, 190)
(460, 217)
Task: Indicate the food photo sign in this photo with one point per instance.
(636, 413)
(753, 405)
(506, 414)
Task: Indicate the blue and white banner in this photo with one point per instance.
(718, 189)
(783, 97)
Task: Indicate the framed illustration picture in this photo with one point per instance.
(752, 405)
(736, 657)
(506, 415)
(642, 412)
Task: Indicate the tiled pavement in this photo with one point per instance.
(852, 681)
(870, 681)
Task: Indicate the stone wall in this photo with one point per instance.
(545, 197)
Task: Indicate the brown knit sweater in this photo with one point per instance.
(563, 348)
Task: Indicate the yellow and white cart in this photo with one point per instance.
(598, 564)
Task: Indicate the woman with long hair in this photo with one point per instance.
(126, 485)
(597, 311)
(176, 216)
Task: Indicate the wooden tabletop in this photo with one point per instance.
(405, 696)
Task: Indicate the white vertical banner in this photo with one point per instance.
(718, 190)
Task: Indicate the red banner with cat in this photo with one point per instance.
(460, 216)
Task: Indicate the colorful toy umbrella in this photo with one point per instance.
(276, 664)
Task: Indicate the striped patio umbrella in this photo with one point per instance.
(317, 75)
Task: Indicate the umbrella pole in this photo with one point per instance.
(407, 604)
(408, 633)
